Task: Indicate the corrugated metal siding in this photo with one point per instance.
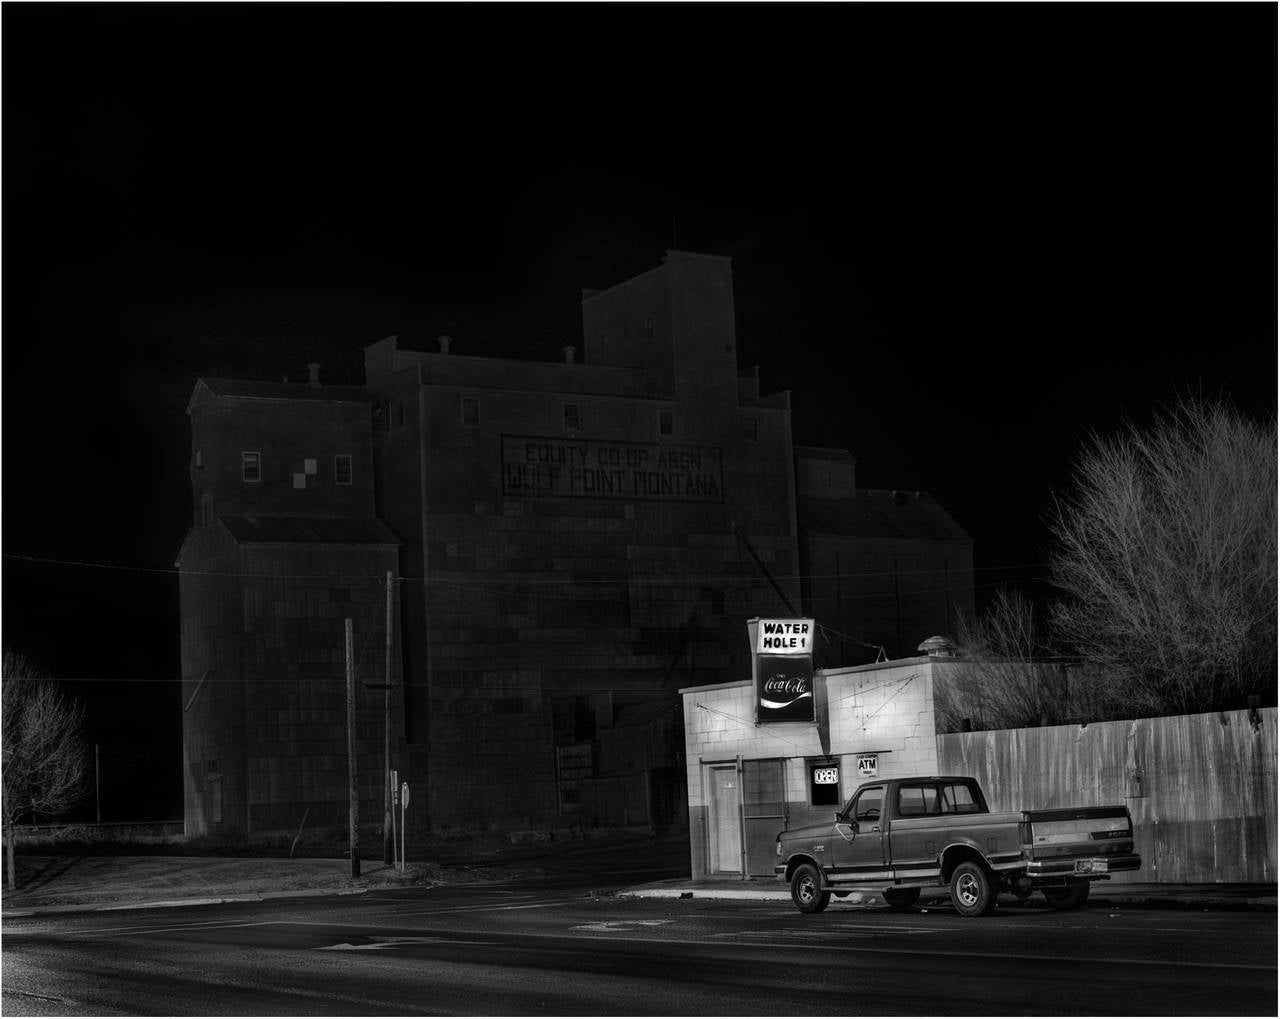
(1201, 788)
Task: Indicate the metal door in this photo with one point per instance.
(764, 809)
(725, 822)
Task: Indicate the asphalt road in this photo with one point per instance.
(560, 944)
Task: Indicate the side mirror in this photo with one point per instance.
(841, 818)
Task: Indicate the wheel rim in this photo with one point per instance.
(968, 890)
(805, 889)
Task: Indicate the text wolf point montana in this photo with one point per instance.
(537, 466)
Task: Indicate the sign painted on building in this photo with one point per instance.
(590, 469)
(785, 688)
(784, 637)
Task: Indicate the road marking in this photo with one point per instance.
(608, 926)
(398, 942)
(200, 925)
(846, 930)
(42, 997)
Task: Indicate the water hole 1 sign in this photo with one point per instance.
(784, 637)
(784, 670)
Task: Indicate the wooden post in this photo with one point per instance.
(353, 796)
(388, 839)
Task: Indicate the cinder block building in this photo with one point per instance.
(748, 781)
(571, 542)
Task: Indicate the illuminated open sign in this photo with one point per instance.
(826, 776)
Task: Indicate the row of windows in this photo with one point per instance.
(573, 418)
(251, 468)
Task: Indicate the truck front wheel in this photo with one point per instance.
(806, 889)
(1071, 896)
(972, 892)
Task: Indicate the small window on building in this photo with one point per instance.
(824, 783)
(664, 422)
(470, 411)
(749, 430)
(648, 328)
(251, 466)
(342, 469)
(571, 419)
(211, 767)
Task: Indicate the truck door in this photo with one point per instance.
(857, 845)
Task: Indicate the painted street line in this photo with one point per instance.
(611, 926)
(399, 942)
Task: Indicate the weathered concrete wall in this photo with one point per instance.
(1201, 788)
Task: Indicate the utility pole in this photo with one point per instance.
(388, 839)
(353, 797)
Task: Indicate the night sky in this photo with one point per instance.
(963, 237)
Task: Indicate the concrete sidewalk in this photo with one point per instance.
(50, 884)
(1104, 893)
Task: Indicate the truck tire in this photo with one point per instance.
(1071, 896)
(806, 889)
(901, 898)
(972, 892)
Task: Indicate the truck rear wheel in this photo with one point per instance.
(1071, 896)
(972, 892)
(806, 889)
(901, 898)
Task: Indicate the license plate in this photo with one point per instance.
(1091, 866)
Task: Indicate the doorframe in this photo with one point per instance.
(708, 795)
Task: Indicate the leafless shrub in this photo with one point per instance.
(1167, 559)
(44, 760)
(1010, 677)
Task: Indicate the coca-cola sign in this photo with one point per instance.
(784, 688)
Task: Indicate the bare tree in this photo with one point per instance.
(1010, 676)
(1167, 559)
(44, 761)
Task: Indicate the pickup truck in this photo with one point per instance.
(898, 836)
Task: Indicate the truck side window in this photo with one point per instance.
(958, 799)
(867, 806)
(917, 800)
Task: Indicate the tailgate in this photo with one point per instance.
(1078, 831)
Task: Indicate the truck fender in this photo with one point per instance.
(957, 852)
(798, 859)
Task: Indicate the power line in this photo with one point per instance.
(683, 578)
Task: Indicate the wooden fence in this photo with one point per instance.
(1201, 788)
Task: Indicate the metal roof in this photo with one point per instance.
(249, 389)
(878, 513)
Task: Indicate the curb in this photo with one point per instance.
(207, 900)
(1208, 903)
